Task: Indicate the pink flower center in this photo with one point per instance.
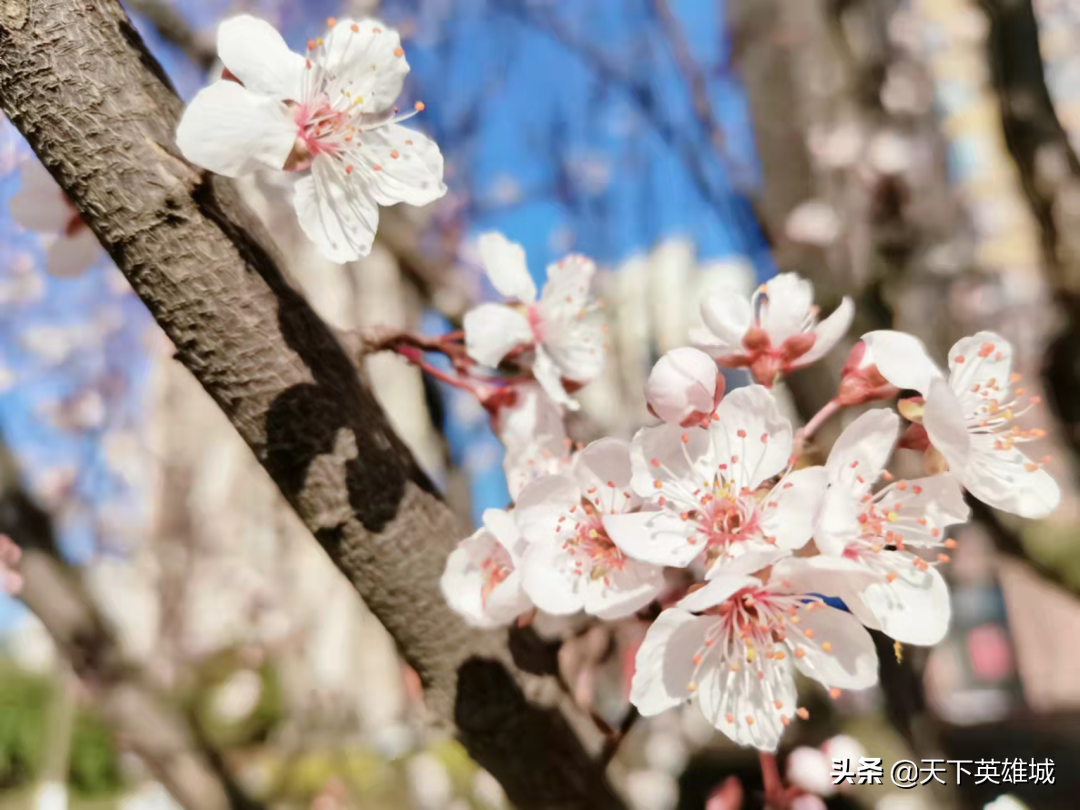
(493, 572)
(595, 555)
(536, 323)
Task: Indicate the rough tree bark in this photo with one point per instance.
(156, 730)
(95, 106)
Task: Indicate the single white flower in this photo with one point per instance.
(328, 114)
(773, 332)
(562, 329)
(734, 645)
(533, 432)
(970, 417)
(41, 206)
(684, 387)
(709, 495)
(482, 580)
(571, 563)
(886, 537)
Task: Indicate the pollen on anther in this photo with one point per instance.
(804, 714)
(419, 106)
(658, 484)
(349, 169)
(741, 434)
(355, 28)
(395, 155)
(376, 168)
(331, 22)
(399, 52)
(826, 646)
(834, 693)
(686, 438)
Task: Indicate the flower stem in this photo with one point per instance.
(820, 418)
(775, 795)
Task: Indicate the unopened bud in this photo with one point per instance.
(684, 387)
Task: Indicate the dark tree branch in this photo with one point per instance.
(95, 106)
(155, 729)
(172, 26)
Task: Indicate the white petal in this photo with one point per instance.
(39, 205)
(852, 661)
(605, 465)
(914, 608)
(492, 331)
(572, 330)
(504, 529)
(568, 286)
(664, 665)
(549, 375)
(462, 583)
(368, 62)
(70, 256)
(715, 592)
(727, 315)
(550, 578)
(829, 332)
(1006, 480)
(838, 525)
(943, 418)
(751, 436)
(505, 264)
(660, 538)
(626, 591)
(255, 53)
(542, 503)
(976, 367)
(902, 359)
(862, 450)
(409, 166)
(785, 308)
(793, 507)
(747, 557)
(232, 131)
(838, 577)
(338, 216)
(749, 702)
(676, 461)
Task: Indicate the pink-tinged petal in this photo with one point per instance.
(743, 706)
(793, 507)
(715, 592)
(340, 218)
(914, 608)
(39, 205)
(851, 660)
(859, 455)
(468, 589)
(232, 131)
(367, 57)
(504, 262)
(623, 591)
(550, 578)
(532, 418)
(838, 526)
(785, 307)
(549, 375)
(492, 331)
(568, 286)
(829, 332)
(751, 436)
(659, 538)
(504, 529)
(810, 770)
(400, 165)
(943, 418)
(605, 466)
(902, 359)
(70, 256)
(664, 666)
(661, 454)
(683, 383)
(577, 347)
(255, 53)
(727, 315)
(542, 503)
(1007, 480)
(838, 577)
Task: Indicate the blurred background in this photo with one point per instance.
(918, 155)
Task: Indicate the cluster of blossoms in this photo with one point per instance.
(761, 564)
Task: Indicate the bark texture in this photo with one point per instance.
(95, 106)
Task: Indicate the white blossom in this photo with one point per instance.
(328, 114)
(684, 387)
(562, 329)
(734, 645)
(970, 417)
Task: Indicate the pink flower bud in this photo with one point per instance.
(684, 387)
(861, 382)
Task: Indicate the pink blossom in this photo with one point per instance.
(684, 387)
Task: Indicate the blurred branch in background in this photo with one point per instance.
(202, 265)
(159, 733)
(172, 26)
